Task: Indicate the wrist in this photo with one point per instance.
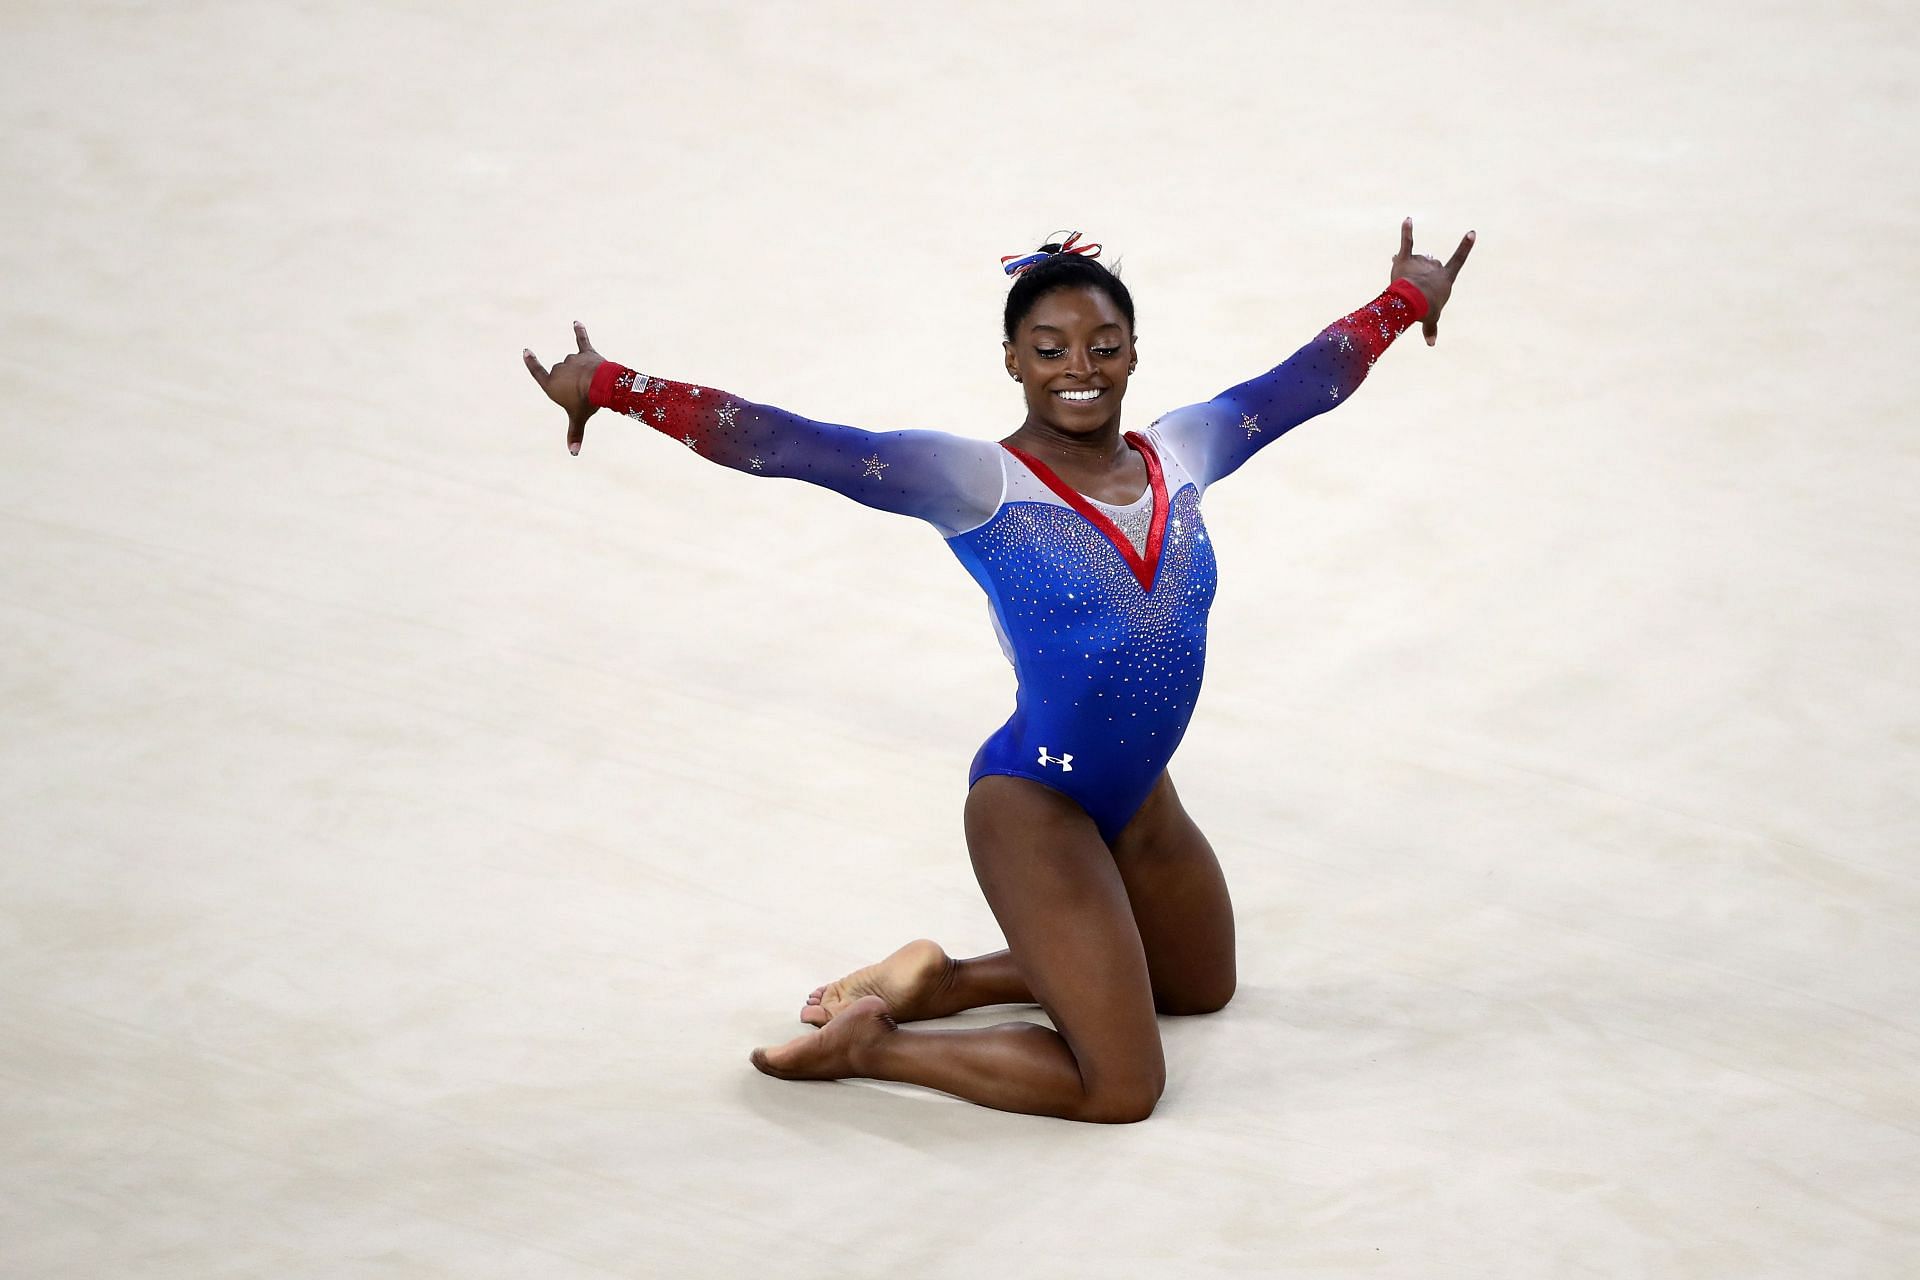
(600, 387)
(1413, 295)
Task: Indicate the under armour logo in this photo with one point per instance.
(1065, 762)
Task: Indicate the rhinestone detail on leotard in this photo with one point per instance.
(1134, 519)
(1090, 634)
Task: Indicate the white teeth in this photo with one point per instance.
(1078, 395)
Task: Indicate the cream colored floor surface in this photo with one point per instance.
(409, 828)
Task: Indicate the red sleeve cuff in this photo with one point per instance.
(1410, 292)
(600, 391)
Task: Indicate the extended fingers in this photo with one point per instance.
(580, 336)
(1406, 236)
(1459, 258)
(576, 420)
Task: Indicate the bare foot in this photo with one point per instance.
(908, 980)
(834, 1052)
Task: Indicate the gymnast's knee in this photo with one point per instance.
(1128, 1105)
(1188, 1003)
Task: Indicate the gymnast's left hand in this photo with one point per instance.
(1431, 276)
(566, 384)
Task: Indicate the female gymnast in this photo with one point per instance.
(1089, 545)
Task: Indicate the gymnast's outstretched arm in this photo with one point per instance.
(950, 481)
(1216, 436)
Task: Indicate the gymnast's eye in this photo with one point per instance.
(1050, 353)
(1104, 352)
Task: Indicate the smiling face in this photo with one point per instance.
(1072, 354)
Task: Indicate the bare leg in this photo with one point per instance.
(1180, 905)
(982, 980)
(1053, 886)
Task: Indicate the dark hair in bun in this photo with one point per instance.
(1062, 271)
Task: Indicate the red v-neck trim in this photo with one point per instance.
(1144, 567)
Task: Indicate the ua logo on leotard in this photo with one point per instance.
(1064, 761)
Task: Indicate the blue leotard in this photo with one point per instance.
(1107, 643)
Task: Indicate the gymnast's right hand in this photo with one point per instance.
(566, 384)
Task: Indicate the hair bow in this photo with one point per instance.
(1015, 263)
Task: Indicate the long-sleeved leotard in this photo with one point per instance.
(1107, 643)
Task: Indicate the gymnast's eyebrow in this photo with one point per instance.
(1048, 328)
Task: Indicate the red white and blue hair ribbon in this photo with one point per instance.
(1015, 263)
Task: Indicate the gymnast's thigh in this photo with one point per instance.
(1180, 904)
(1051, 882)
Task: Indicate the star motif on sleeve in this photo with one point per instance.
(624, 381)
(660, 414)
(874, 467)
(1334, 392)
(727, 413)
(689, 441)
(694, 392)
(1251, 422)
(754, 463)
